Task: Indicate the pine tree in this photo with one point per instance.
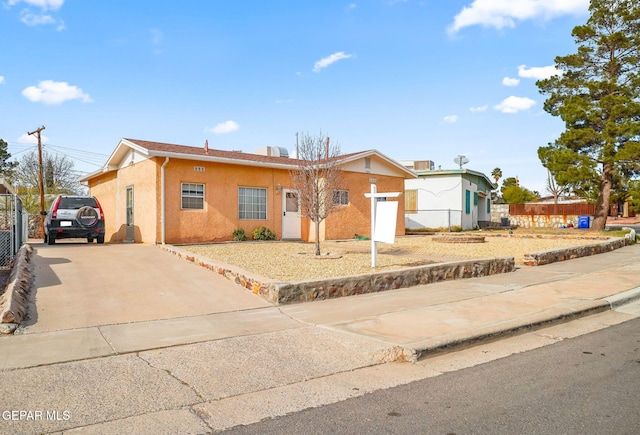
(598, 98)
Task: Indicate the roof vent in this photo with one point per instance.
(273, 151)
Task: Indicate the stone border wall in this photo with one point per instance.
(499, 211)
(280, 293)
(306, 291)
(14, 301)
(554, 255)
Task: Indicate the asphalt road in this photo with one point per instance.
(585, 385)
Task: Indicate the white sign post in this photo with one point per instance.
(388, 221)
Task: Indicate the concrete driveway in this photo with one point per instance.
(79, 285)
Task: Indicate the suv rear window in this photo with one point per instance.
(76, 203)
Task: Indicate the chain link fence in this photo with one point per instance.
(433, 219)
(14, 228)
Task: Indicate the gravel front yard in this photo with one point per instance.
(294, 261)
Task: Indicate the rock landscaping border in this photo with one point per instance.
(14, 301)
(554, 255)
(306, 291)
(280, 293)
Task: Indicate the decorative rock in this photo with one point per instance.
(8, 328)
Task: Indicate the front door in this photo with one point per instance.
(129, 232)
(291, 222)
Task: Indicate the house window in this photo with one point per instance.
(192, 196)
(467, 202)
(475, 198)
(411, 201)
(488, 205)
(252, 203)
(341, 197)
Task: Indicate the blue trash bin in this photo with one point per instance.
(583, 222)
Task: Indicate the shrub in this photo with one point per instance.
(239, 235)
(263, 233)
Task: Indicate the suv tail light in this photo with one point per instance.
(54, 211)
(100, 209)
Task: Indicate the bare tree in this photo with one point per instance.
(59, 177)
(317, 178)
(554, 188)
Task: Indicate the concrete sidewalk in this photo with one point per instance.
(413, 321)
(211, 362)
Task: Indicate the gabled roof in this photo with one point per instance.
(159, 149)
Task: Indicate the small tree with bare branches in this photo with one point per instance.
(317, 177)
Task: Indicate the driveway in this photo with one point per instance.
(79, 285)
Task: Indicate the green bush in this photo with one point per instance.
(239, 235)
(263, 233)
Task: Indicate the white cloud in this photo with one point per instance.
(30, 18)
(50, 92)
(450, 119)
(538, 73)
(352, 6)
(32, 139)
(1, 80)
(42, 4)
(508, 81)
(479, 108)
(325, 62)
(225, 127)
(36, 19)
(504, 13)
(514, 104)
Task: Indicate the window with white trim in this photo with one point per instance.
(341, 197)
(192, 196)
(252, 203)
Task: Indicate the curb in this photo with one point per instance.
(495, 333)
(623, 298)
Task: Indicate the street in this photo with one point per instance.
(586, 385)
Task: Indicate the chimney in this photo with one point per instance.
(206, 146)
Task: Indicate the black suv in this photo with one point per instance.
(74, 217)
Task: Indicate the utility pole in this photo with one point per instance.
(40, 178)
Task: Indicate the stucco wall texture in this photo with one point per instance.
(220, 215)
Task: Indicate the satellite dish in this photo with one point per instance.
(461, 160)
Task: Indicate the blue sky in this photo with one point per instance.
(416, 80)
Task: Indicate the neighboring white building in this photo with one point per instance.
(448, 198)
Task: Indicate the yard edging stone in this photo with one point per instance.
(282, 293)
(14, 301)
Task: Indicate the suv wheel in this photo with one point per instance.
(100, 239)
(51, 240)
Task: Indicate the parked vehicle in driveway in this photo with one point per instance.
(74, 217)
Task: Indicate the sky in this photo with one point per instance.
(413, 79)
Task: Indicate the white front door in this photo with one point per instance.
(291, 222)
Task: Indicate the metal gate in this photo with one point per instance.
(14, 230)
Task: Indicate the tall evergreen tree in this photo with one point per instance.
(6, 167)
(598, 98)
